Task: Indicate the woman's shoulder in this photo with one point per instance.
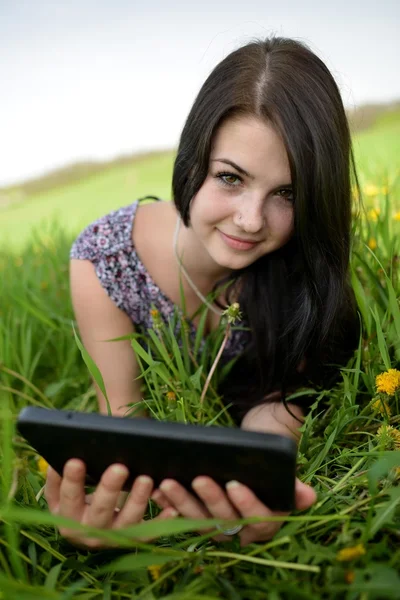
(106, 235)
(108, 244)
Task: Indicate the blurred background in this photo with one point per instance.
(94, 93)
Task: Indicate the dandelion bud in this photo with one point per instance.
(388, 437)
(157, 321)
(233, 313)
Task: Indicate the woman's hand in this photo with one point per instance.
(237, 502)
(66, 497)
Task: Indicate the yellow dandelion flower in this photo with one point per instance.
(389, 437)
(373, 244)
(371, 190)
(155, 571)
(42, 466)
(154, 313)
(171, 396)
(347, 554)
(373, 214)
(396, 216)
(381, 407)
(388, 382)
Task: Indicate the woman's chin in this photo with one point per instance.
(232, 261)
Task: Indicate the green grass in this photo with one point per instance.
(78, 204)
(341, 453)
(378, 149)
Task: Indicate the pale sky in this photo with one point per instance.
(93, 79)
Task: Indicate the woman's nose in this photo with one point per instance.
(250, 218)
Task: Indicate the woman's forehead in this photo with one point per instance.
(250, 144)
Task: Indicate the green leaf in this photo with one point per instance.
(70, 592)
(200, 331)
(321, 456)
(381, 340)
(195, 379)
(52, 576)
(93, 368)
(385, 514)
(374, 280)
(381, 468)
(13, 590)
(376, 582)
(147, 529)
(35, 312)
(362, 302)
(138, 560)
(160, 348)
(394, 306)
(140, 351)
(178, 358)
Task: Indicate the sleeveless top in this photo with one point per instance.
(107, 244)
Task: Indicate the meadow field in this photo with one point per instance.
(346, 547)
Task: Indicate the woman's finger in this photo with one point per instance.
(186, 504)
(136, 504)
(72, 490)
(101, 511)
(248, 505)
(52, 489)
(214, 498)
(305, 495)
(160, 498)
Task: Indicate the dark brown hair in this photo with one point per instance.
(297, 300)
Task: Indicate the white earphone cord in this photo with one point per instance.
(186, 274)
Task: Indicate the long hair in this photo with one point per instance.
(297, 300)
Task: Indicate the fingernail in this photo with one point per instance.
(119, 470)
(199, 484)
(144, 479)
(166, 486)
(74, 463)
(231, 485)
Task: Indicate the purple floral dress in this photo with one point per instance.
(107, 243)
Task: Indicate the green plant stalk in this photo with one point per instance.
(266, 563)
(215, 363)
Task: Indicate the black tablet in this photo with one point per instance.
(265, 462)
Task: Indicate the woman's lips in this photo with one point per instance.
(237, 243)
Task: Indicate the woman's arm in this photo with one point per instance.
(100, 319)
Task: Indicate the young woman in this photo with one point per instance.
(261, 198)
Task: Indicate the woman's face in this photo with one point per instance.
(244, 209)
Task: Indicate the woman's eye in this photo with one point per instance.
(229, 179)
(287, 194)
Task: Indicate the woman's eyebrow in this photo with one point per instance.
(235, 166)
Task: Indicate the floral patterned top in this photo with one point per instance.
(107, 243)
